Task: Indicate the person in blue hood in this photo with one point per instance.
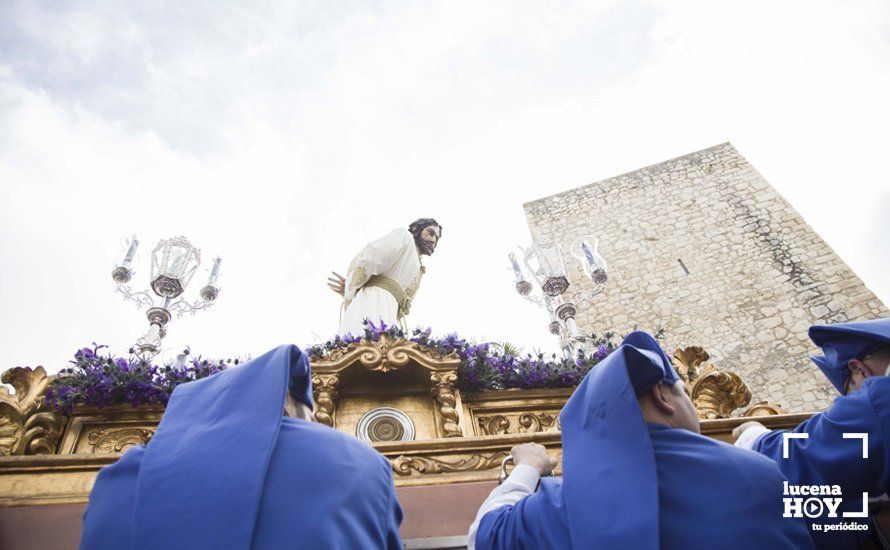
(637, 473)
(227, 469)
(856, 360)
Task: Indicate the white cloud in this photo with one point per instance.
(283, 137)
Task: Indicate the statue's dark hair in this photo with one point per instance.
(418, 226)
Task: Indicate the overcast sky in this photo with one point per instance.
(283, 137)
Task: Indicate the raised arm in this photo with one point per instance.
(531, 461)
(826, 456)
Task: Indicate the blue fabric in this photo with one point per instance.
(709, 495)
(627, 484)
(226, 470)
(844, 341)
(606, 452)
(537, 521)
(826, 458)
(644, 378)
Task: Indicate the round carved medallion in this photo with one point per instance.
(385, 424)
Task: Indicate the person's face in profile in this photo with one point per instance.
(429, 238)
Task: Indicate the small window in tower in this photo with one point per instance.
(683, 266)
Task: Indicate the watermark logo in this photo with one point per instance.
(821, 501)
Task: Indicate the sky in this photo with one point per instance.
(284, 136)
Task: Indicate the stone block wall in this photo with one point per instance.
(758, 275)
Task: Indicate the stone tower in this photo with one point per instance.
(705, 248)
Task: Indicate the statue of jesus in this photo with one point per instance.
(383, 278)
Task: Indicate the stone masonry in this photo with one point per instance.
(758, 275)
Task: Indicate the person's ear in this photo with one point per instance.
(663, 399)
(858, 367)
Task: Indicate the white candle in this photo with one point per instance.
(131, 252)
(175, 262)
(588, 253)
(516, 268)
(214, 273)
(572, 326)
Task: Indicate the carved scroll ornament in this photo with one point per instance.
(715, 393)
(324, 390)
(496, 424)
(387, 354)
(518, 422)
(407, 465)
(116, 440)
(27, 426)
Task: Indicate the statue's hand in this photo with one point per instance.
(337, 283)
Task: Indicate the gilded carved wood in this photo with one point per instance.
(715, 393)
(324, 390)
(67, 478)
(519, 421)
(116, 440)
(764, 409)
(495, 424)
(411, 465)
(443, 390)
(533, 422)
(385, 355)
(27, 426)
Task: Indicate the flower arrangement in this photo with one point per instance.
(101, 380)
(487, 366)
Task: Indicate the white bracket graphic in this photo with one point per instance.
(864, 512)
(791, 435)
(863, 437)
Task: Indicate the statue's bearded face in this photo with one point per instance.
(427, 239)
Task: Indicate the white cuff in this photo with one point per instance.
(526, 476)
(749, 437)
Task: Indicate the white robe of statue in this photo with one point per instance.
(395, 256)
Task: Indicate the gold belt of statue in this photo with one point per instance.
(395, 289)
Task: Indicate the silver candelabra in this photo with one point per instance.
(545, 264)
(173, 264)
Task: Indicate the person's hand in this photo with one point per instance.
(533, 455)
(737, 432)
(337, 283)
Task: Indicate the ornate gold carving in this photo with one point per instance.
(386, 354)
(764, 409)
(687, 361)
(518, 421)
(27, 426)
(494, 424)
(715, 393)
(443, 391)
(533, 422)
(406, 465)
(116, 440)
(324, 390)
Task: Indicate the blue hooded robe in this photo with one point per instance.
(632, 485)
(825, 457)
(226, 470)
